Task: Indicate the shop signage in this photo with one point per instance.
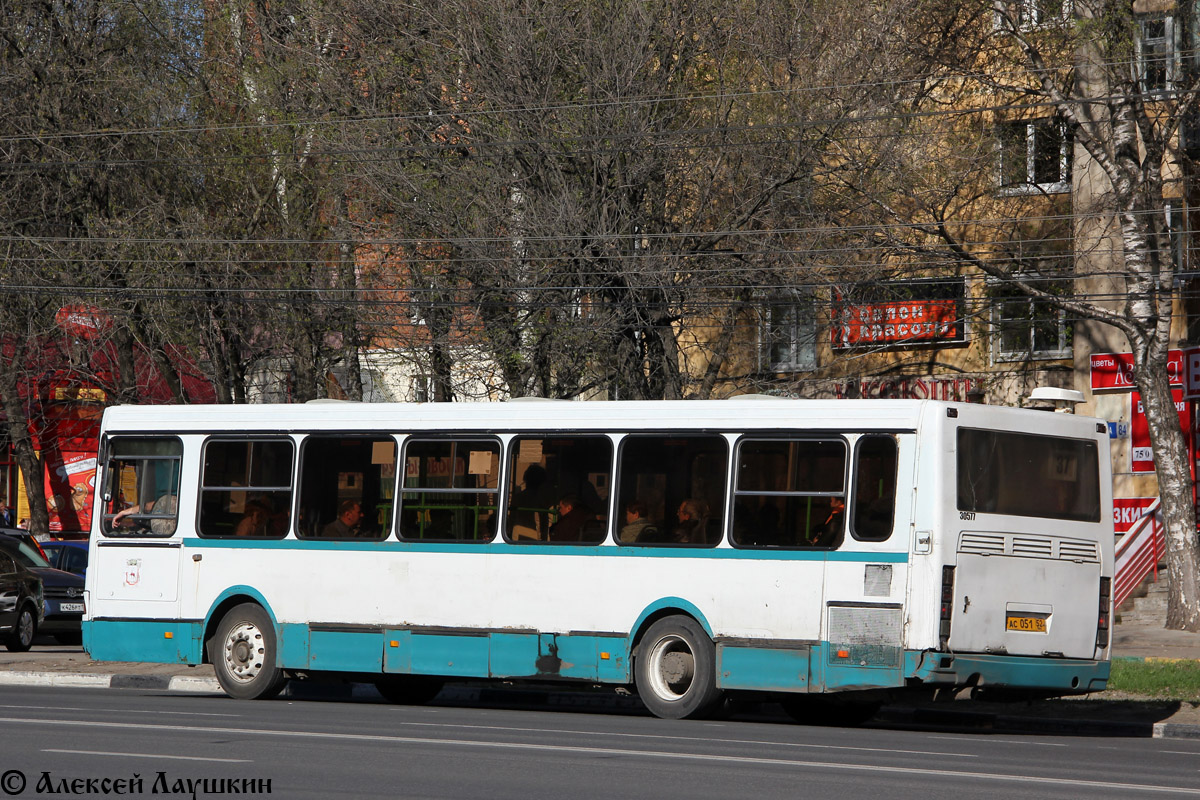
(912, 388)
(898, 322)
(1141, 454)
(1115, 370)
(1128, 510)
(86, 322)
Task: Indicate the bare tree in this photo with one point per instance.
(990, 70)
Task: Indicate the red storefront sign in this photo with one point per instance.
(1141, 454)
(86, 322)
(1115, 370)
(911, 388)
(1128, 510)
(909, 321)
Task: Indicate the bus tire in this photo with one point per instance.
(21, 638)
(675, 670)
(243, 654)
(828, 710)
(408, 690)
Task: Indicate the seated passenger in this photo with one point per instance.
(346, 524)
(691, 527)
(254, 522)
(636, 524)
(572, 517)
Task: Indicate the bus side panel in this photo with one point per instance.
(151, 641)
(774, 669)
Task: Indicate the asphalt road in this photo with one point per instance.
(362, 749)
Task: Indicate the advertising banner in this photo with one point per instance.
(1141, 455)
(900, 322)
(1128, 510)
(1115, 370)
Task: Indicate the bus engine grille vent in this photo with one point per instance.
(869, 636)
(1032, 546)
(1028, 546)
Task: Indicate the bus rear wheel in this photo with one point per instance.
(243, 654)
(408, 690)
(675, 670)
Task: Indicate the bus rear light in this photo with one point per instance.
(1103, 617)
(947, 607)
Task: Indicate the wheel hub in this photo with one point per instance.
(244, 651)
(673, 668)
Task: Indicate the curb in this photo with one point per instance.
(523, 698)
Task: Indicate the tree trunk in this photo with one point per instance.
(30, 463)
(1175, 492)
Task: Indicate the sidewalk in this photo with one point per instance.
(1107, 714)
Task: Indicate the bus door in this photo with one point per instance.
(135, 560)
(866, 569)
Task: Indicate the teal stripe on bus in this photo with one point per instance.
(496, 548)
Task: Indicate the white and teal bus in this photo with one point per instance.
(815, 551)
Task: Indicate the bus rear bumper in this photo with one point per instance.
(1025, 672)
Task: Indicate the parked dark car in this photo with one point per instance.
(69, 556)
(62, 591)
(21, 603)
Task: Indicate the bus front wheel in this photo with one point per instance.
(244, 656)
(675, 669)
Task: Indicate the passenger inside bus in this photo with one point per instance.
(347, 523)
(573, 519)
(254, 521)
(529, 512)
(693, 518)
(829, 532)
(638, 526)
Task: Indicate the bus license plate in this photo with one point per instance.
(69, 607)
(1032, 624)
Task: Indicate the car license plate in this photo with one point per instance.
(1031, 624)
(69, 607)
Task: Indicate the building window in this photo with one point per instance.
(1029, 327)
(788, 334)
(1035, 156)
(1157, 59)
(1030, 14)
(422, 388)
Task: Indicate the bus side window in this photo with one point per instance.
(246, 488)
(141, 483)
(679, 484)
(449, 490)
(874, 488)
(790, 493)
(562, 496)
(346, 486)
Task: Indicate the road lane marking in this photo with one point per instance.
(922, 772)
(151, 755)
(1038, 743)
(124, 711)
(689, 739)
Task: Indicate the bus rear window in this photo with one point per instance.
(1028, 475)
